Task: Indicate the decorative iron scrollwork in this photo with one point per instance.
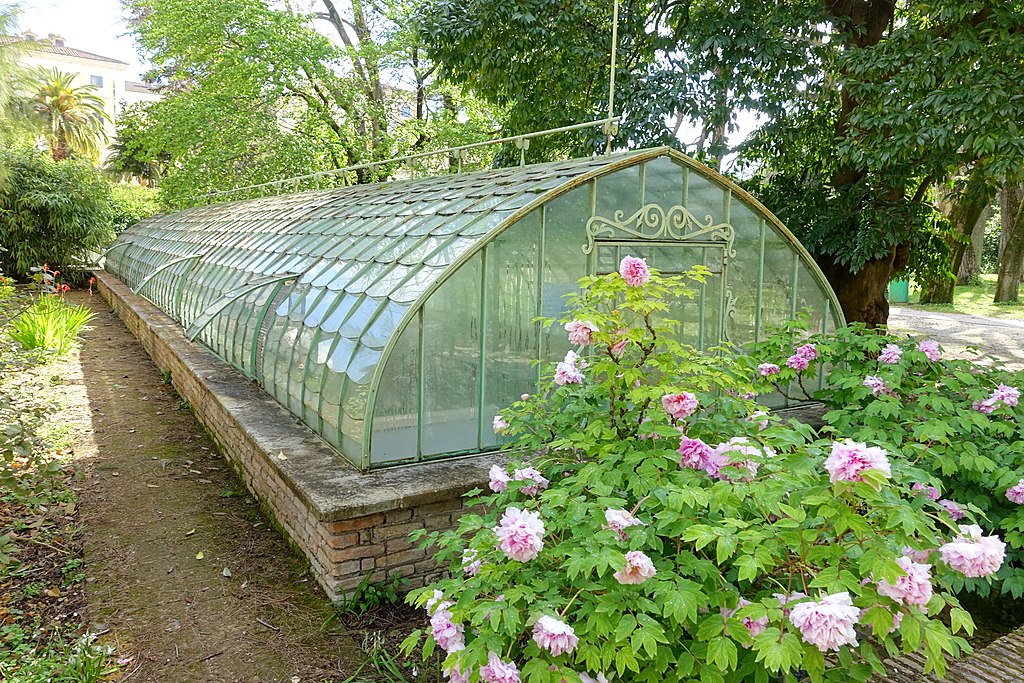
(652, 222)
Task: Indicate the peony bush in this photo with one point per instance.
(654, 524)
(955, 427)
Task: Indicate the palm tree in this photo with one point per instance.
(69, 118)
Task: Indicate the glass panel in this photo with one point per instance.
(396, 410)
(619, 191)
(663, 182)
(744, 280)
(511, 306)
(703, 198)
(564, 262)
(451, 341)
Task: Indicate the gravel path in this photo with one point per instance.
(1000, 338)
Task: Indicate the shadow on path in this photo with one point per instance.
(165, 520)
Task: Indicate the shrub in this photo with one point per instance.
(958, 424)
(131, 203)
(50, 325)
(665, 529)
(50, 212)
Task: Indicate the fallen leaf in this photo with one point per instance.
(190, 532)
(281, 456)
(200, 555)
(226, 572)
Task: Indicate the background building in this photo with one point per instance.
(109, 75)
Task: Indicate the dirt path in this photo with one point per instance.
(183, 571)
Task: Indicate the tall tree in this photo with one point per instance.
(256, 92)
(70, 118)
(865, 103)
(1011, 257)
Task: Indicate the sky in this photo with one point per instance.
(92, 25)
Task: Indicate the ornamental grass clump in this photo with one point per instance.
(654, 525)
(955, 427)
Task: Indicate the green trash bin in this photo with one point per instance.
(899, 291)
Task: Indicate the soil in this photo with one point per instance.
(186, 579)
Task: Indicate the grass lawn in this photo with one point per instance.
(973, 299)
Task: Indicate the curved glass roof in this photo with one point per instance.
(396, 319)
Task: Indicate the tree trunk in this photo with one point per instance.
(863, 294)
(964, 215)
(971, 264)
(1011, 261)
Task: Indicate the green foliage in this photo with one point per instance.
(370, 594)
(130, 157)
(130, 203)
(51, 326)
(254, 93)
(927, 419)
(25, 661)
(725, 542)
(53, 213)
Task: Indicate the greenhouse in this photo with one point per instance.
(396, 319)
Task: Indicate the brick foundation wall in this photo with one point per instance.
(346, 523)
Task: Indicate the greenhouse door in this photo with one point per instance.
(702, 319)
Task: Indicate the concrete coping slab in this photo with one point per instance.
(330, 486)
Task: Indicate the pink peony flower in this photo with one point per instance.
(619, 520)
(930, 348)
(470, 565)
(499, 479)
(680, 406)
(890, 354)
(436, 599)
(930, 491)
(569, 370)
(524, 397)
(638, 568)
(1016, 493)
(1005, 395)
(555, 636)
(956, 513)
(520, 534)
(760, 418)
(917, 555)
(531, 474)
(634, 271)
(618, 347)
(987, 406)
(784, 600)
(877, 385)
(828, 623)
(497, 671)
(807, 351)
(450, 636)
(695, 453)
(457, 676)
(1008, 395)
(849, 459)
(798, 363)
(913, 589)
(767, 369)
(567, 374)
(499, 424)
(755, 626)
(736, 453)
(580, 332)
(973, 554)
